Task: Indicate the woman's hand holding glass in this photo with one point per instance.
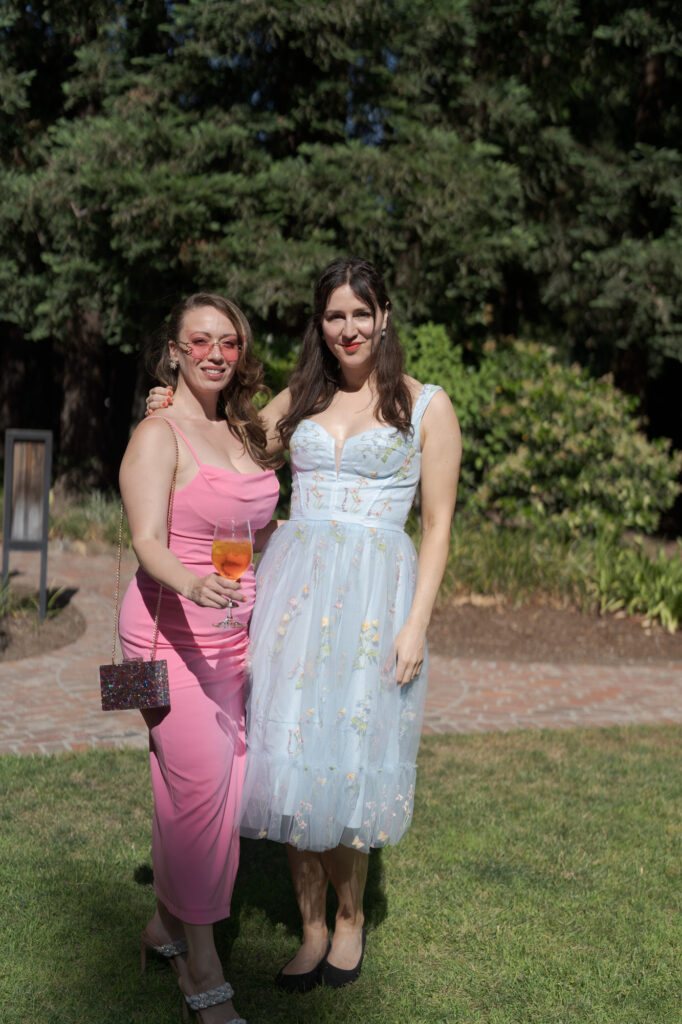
(214, 591)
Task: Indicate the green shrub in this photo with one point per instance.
(432, 358)
(629, 578)
(93, 517)
(547, 444)
(594, 573)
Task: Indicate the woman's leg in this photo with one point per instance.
(310, 885)
(204, 972)
(164, 927)
(347, 871)
(197, 755)
(165, 934)
(196, 763)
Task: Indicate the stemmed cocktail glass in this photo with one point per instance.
(231, 554)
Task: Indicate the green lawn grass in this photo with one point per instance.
(540, 883)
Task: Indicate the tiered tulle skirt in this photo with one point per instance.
(331, 739)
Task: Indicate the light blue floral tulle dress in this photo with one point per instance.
(331, 739)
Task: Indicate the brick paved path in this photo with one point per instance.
(50, 703)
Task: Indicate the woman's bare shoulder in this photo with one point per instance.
(440, 399)
(413, 386)
(154, 432)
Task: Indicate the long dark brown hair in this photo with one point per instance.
(317, 376)
(236, 399)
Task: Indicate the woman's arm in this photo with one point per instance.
(262, 536)
(441, 457)
(145, 479)
(270, 416)
(161, 397)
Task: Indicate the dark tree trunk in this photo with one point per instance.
(651, 99)
(631, 374)
(80, 463)
(13, 378)
(28, 398)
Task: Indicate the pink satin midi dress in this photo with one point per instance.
(197, 748)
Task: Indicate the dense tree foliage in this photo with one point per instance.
(513, 168)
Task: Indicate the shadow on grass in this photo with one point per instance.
(264, 884)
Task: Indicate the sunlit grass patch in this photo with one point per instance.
(541, 881)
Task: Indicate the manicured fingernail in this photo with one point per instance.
(165, 403)
(170, 391)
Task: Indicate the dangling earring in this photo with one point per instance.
(174, 364)
(382, 336)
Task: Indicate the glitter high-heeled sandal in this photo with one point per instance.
(169, 950)
(203, 1000)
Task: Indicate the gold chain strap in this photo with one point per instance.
(169, 521)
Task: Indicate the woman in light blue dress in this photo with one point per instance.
(338, 631)
(338, 648)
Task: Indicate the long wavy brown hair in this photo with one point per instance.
(317, 376)
(236, 399)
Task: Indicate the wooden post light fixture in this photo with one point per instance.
(26, 519)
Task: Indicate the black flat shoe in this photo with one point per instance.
(335, 977)
(301, 982)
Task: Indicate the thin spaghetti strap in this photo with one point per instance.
(177, 429)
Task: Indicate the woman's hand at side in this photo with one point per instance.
(410, 648)
(145, 478)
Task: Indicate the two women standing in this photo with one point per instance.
(338, 649)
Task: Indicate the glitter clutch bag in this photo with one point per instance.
(135, 683)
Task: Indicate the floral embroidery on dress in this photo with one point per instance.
(301, 673)
(377, 447)
(325, 647)
(368, 644)
(360, 720)
(315, 495)
(337, 531)
(352, 501)
(377, 539)
(294, 607)
(380, 508)
(401, 473)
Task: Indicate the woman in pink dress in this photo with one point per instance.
(197, 746)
